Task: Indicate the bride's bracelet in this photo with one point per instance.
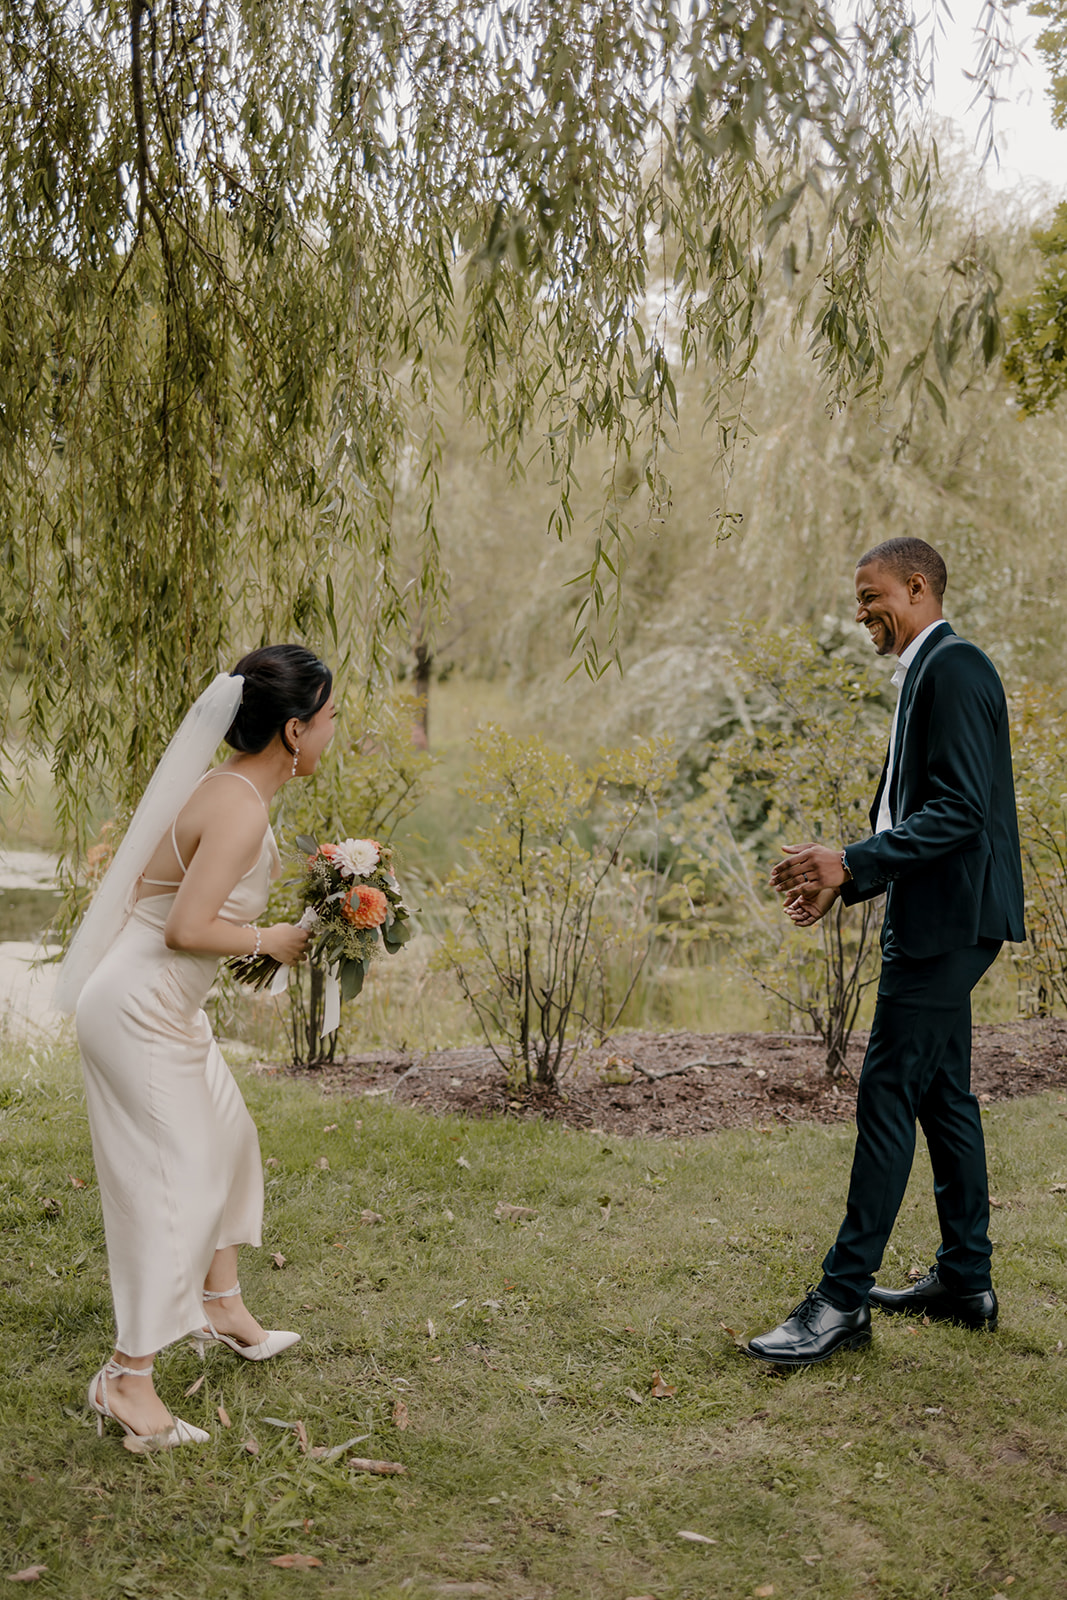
(259, 940)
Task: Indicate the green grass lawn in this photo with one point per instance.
(539, 1463)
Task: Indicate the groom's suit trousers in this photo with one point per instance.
(917, 1069)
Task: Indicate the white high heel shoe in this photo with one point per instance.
(273, 1344)
(180, 1433)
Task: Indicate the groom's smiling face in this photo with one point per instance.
(887, 606)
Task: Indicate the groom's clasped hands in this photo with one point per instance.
(810, 878)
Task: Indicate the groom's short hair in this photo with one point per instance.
(908, 555)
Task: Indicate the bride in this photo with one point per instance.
(176, 1152)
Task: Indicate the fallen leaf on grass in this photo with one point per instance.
(695, 1538)
(505, 1213)
(400, 1415)
(632, 1394)
(386, 1469)
(461, 1161)
(661, 1390)
(369, 1218)
(194, 1386)
(331, 1127)
(323, 1164)
(1058, 1188)
(431, 1331)
(301, 1436)
(27, 1575)
(251, 1445)
(734, 1335)
(75, 1183)
(1011, 1458)
(609, 1513)
(224, 1416)
(294, 1560)
(1055, 1524)
(764, 1591)
(998, 1205)
(915, 1273)
(327, 1452)
(278, 1260)
(811, 1561)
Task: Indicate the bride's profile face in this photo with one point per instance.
(313, 738)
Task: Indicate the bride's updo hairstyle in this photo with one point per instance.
(281, 681)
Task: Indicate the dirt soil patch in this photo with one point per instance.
(675, 1084)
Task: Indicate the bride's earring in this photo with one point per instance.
(296, 758)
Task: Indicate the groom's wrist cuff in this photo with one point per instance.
(845, 867)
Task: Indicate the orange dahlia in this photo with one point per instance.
(365, 906)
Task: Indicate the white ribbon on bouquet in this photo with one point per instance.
(331, 1009)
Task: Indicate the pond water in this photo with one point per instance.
(28, 901)
(26, 913)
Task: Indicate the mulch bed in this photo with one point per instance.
(685, 1083)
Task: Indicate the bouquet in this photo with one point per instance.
(353, 911)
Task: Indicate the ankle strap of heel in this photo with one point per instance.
(115, 1369)
(221, 1294)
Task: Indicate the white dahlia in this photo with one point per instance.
(357, 858)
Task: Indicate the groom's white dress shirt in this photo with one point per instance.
(884, 819)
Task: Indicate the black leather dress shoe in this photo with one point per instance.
(813, 1331)
(929, 1297)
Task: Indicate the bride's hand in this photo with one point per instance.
(285, 942)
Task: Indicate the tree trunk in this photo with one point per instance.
(423, 664)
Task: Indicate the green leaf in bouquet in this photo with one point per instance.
(398, 936)
(352, 974)
(307, 844)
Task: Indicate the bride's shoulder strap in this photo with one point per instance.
(228, 772)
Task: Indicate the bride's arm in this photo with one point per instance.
(230, 840)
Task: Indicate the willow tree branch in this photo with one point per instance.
(145, 202)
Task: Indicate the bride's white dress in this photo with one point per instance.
(176, 1152)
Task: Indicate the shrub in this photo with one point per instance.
(366, 784)
(804, 770)
(550, 911)
(1040, 761)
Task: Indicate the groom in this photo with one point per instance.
(945, 852)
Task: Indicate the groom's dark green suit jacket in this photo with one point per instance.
(950, 866)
